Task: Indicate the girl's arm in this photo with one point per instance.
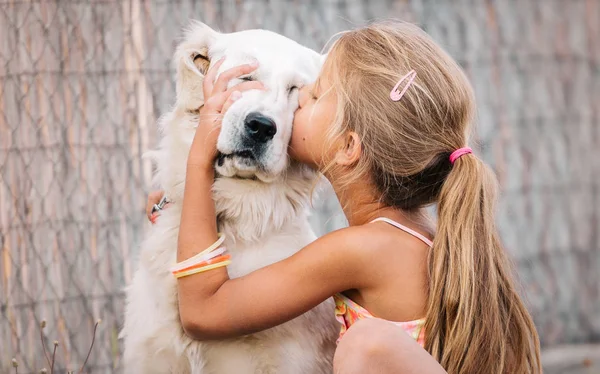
(211, 305)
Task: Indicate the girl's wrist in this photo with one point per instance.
(203, 162)
(201, 166)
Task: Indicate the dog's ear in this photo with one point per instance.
(192, 60)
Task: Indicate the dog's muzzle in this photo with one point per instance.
(251, 148)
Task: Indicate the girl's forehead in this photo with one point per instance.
(323, 81)
(317, 84)
(330, 65)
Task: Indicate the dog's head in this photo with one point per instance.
(256, 129)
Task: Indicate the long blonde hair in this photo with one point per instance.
(476, 321)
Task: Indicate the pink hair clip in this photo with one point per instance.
(396, 95)
(459, 152)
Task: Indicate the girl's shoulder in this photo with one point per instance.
(370, 241)
(357, 238)
(372, 254)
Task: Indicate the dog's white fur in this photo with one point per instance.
(261, 207)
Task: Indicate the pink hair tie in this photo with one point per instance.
(396, 95)
(459, 152)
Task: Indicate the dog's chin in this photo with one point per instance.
(243, 166)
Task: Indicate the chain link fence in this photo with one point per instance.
(82, 84)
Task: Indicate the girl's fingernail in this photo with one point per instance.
(236, 95)
(254, 64)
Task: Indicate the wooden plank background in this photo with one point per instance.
(82, 84)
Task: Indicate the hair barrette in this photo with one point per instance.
(396, 95)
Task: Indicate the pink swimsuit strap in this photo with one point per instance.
(405, 229)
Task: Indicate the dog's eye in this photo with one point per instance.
(291, 89)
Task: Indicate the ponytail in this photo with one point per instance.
(476, 321)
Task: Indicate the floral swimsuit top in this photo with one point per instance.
(347, 311)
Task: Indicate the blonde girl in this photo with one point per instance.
(387, 123)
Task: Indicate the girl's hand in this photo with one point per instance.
(217, 99)
(154, 198)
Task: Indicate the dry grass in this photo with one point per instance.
(52, 360)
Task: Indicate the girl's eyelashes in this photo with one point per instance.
(247, 78)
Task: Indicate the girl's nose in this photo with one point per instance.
(302, 95)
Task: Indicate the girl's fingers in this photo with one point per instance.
(217, 102)
(224, 78)
(209, 78)
(154, 216)
(235, 95)
(153, 198)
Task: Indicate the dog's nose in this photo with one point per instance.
(260, 128)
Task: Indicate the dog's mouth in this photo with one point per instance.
(245, 155)
(241, 164)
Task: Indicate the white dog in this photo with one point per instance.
(261, 198)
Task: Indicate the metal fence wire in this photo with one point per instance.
(82, 84)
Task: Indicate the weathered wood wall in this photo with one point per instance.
(83, 82)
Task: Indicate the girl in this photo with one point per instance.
(387, 124)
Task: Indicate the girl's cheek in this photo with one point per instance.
(301, 129)
(298, 129)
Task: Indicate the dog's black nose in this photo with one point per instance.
(260, 128)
